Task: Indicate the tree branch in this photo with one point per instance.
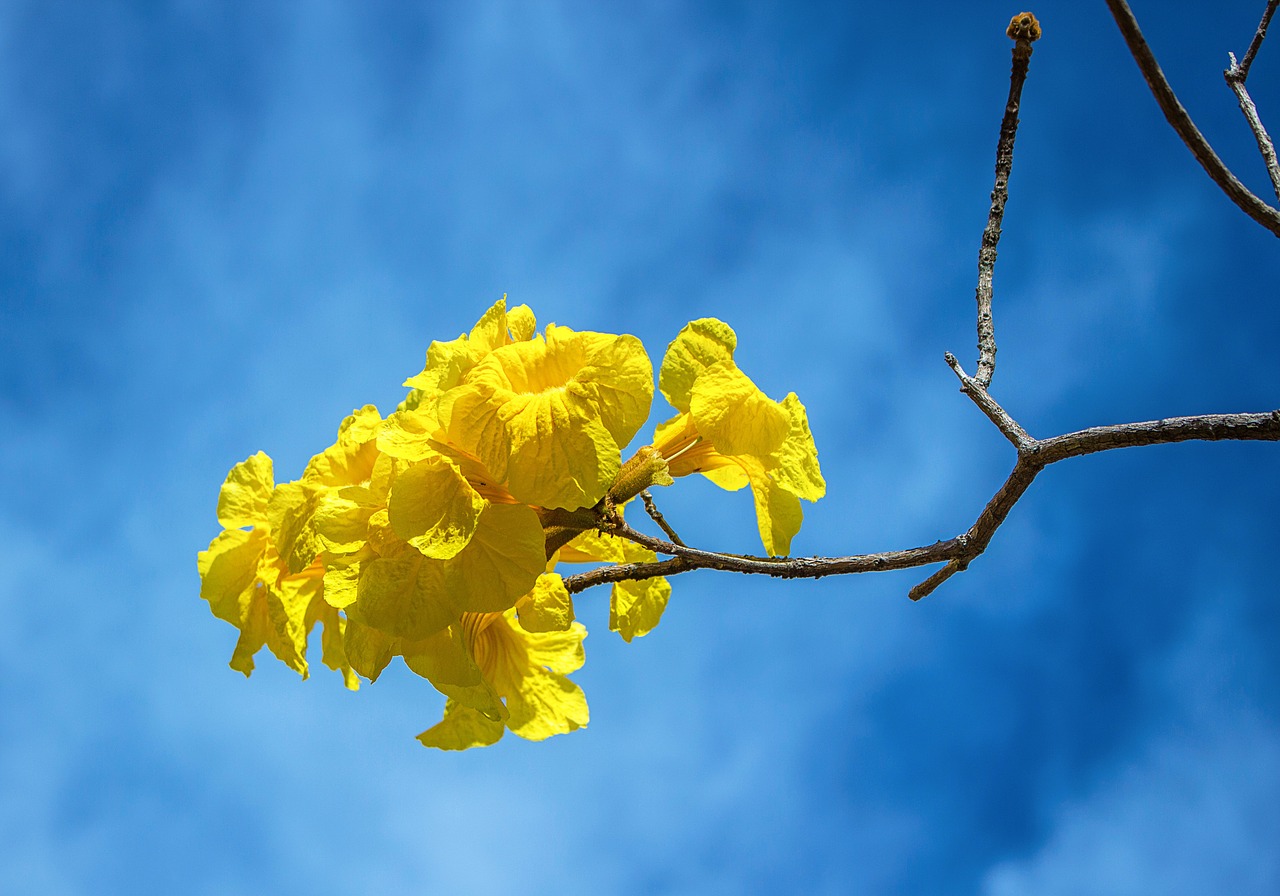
(1236, 75)
(996, 414)
(652, 509)
(1181, 122)
(1265, 146)
(1033, 455)
(957, 552)
(1023, 29)
(1256, 43)
(1264, 427)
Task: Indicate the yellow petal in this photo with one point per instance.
(461, 728)
(797, 460)
(558, 455)
(367, 649)
(446, 364)
(341, 584)
(529, 670)
(688, 451)
(404, 597)
(341, 523)
(561, 652)
(670, 436)
(501, 563)
(408, 434)
(249, 643)
(778, 512)
(287, 606)
(735, 415)
(490, 331)
(444, 660)
(730, 477)
(434, 508)
(546, 704)
(548, 607)
(614, 377)
(449, 362)
(699, 345)
(522, 323)
(635, 607)
(291, 513)
(473, 420)
(349, 461)
(332, 648)
(382, 538)
(276, 617)
(229, 571)
(384, 473)
(243, 498)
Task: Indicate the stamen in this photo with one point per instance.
(683, 446)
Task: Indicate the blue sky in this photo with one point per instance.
(225, 226)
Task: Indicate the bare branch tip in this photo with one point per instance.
(929, 585)
(652, 509)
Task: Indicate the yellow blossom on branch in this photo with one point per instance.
(498, 675)
(734, 434)
(249, 585)
(549, 417)
(635, 607)
(432, 535)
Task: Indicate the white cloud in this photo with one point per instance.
(1184, 815)
(1190, 809)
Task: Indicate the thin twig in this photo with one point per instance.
(684, 559)
(652, 509)
(1256, 43)
(1236, 74)
(984, 528)
(957, 552)
(927, 587)
(1023, 29)
(1265, 146)
(1182, 124)
(988, 405)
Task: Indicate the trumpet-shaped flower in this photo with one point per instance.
(548, 417)
(250, 585)
(734, 434)
(506, 670)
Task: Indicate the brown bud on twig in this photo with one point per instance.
(1024, 26)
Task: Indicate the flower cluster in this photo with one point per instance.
(433, 534)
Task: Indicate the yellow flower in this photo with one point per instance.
(249, 584)
(734, 434)
(506, 670)
(549, 416)
(426, 535)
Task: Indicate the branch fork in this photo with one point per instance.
(1032, 455)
